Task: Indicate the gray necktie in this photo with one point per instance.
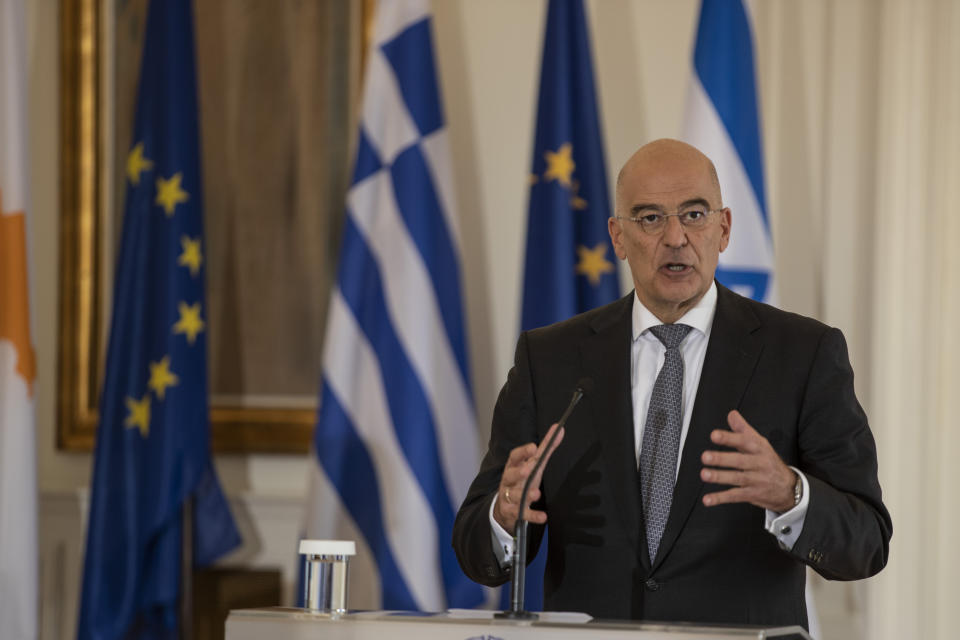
(661, 435)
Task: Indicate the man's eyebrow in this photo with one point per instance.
(695, 201)
(643, 206)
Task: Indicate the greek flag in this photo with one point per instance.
(723, 120)
(395, 436)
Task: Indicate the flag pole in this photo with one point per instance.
(186, 571)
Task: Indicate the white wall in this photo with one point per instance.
(833, 125)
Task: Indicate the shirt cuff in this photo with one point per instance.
(787, 526)
(502, 541)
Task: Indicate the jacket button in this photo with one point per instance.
(652, 585)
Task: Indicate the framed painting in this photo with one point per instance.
(278, 86)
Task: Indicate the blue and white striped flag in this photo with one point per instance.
(722, 120)
(396, 437)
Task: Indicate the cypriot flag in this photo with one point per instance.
(18, 479)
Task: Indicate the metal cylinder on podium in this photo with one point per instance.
(325, 577)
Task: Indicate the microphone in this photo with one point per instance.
(519, 575)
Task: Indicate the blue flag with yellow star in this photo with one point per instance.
(153, 444)
(570, 264)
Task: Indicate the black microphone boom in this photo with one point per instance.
(519, 574)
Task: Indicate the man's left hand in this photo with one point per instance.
(754, 470)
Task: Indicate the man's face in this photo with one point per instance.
(673, 268)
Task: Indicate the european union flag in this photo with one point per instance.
(570, 264)
(153, 444)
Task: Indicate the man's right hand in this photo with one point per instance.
(519, 466)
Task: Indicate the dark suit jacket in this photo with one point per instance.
(791, 379)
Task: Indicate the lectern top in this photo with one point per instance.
(328, 547)
(301, 624)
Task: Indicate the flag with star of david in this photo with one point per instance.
(722, 119)
(570, 265)
(152, 452)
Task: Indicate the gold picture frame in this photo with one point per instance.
(85, 187)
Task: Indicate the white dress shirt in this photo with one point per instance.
(647, 355)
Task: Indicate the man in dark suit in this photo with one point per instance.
(696, 480)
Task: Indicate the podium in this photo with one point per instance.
(278, 623)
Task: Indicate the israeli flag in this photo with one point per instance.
(396, 441)
(722, 119)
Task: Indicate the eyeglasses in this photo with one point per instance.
(654, 221)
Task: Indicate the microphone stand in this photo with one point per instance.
(519, 556)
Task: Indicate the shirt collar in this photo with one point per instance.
(700, 317)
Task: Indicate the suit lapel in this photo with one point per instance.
(731, 356)
(606, 358)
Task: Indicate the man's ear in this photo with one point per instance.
(726, 222)
(615, 228)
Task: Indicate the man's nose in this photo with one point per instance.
(674, 233)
